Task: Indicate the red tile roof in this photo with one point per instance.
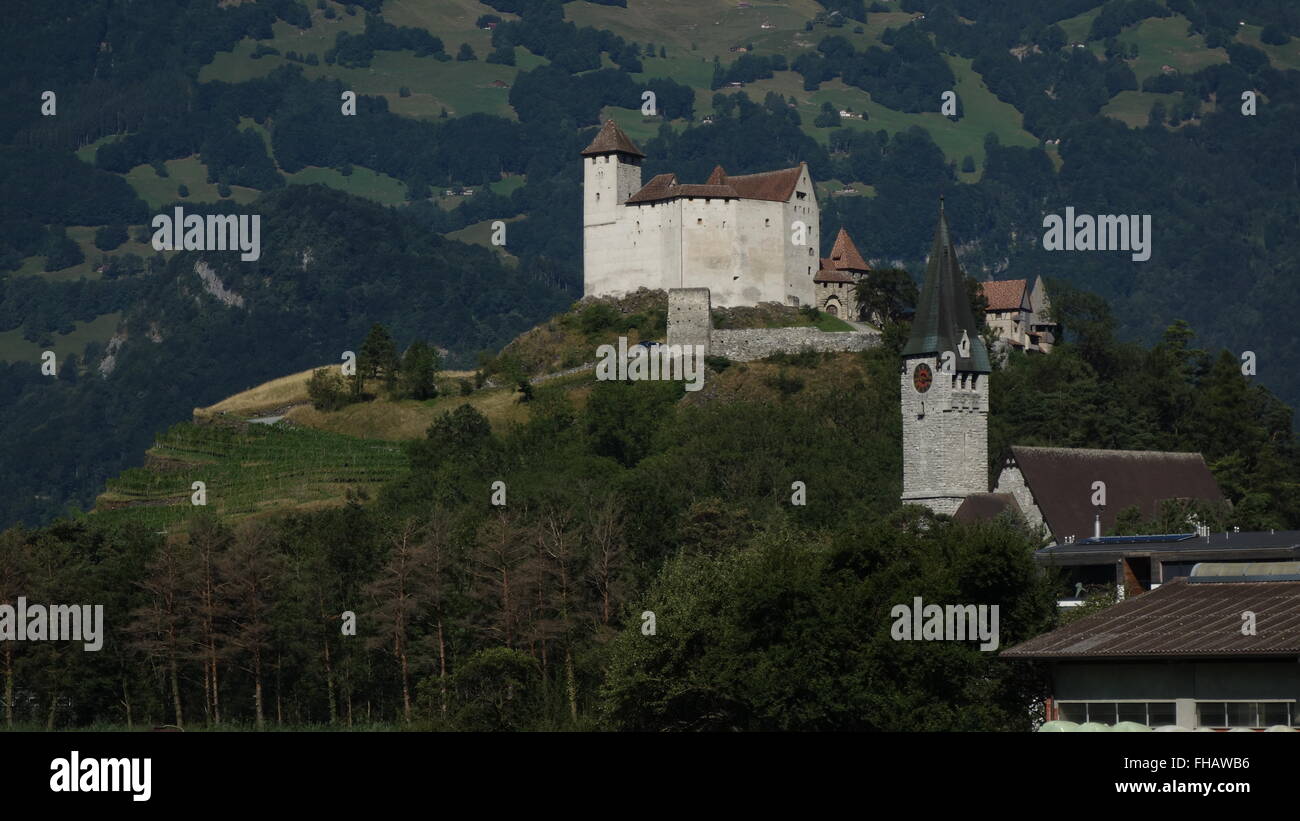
(777, 186)
(1181, 618)
(609, 139)
(845, 256)
(1004, 295)
(831, 275)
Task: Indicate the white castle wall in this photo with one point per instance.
(741, 250)
(690, 323)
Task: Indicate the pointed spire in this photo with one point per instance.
(611, 139)
(943, 315)
(845, 254)
(718, 177)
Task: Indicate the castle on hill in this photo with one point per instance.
(737, 235)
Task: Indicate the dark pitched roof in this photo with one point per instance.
(1182, 618)
(981, 506)
(845, 256)
(609, 139)
(1005, 295)
(1061, 481)
(943, 311)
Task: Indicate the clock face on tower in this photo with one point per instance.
(921, 378)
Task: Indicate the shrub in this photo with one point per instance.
(326, 390)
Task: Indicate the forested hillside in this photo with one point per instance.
(501, 579)
(472, 112)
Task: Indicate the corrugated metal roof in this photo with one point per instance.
(1181, 620)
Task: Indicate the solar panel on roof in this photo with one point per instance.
(1165, 537)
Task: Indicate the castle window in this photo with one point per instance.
(767, 223)
(810, 252)
(801, 195)
(597, 197)
(973, 380)
(699, 221)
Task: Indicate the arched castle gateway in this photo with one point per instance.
(733, 235)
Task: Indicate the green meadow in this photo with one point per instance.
(247, 470)
(13, 348)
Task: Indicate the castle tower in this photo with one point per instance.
(611, 172)
(944, 389)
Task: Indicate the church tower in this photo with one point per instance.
(611, 173)
(945, 390)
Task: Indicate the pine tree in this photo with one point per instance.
(420, 371)
(378, 353)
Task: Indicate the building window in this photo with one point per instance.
(767, 223)
(699, 221)
(1224, 714)
(598, 198)
(1150, 713)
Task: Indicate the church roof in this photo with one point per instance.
(943, 312)
(610, 139)
(1005, 295)
(777, 186)
(1060, 480)
(980, 506)
(845, 256)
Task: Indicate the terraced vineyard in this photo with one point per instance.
(246, 471)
